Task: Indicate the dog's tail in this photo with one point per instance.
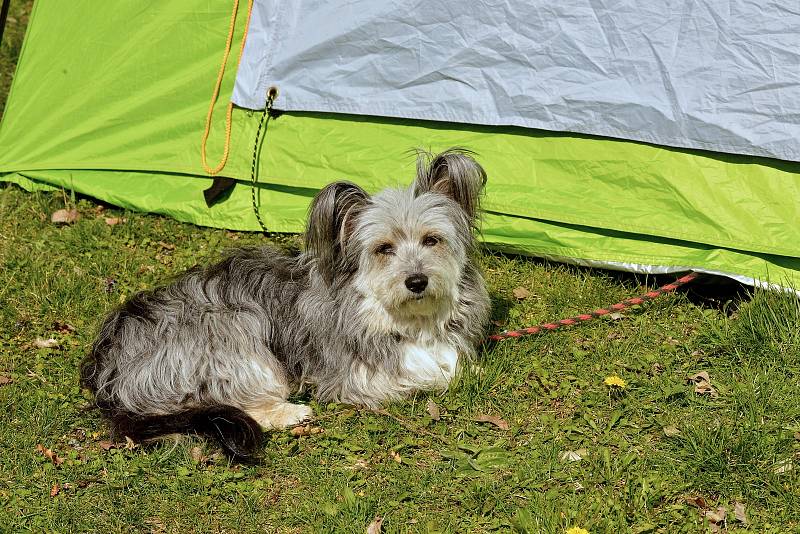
(239, 435)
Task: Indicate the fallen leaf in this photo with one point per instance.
(49, 454)
(739, 512)
(130, 444)
(493, 419)
(702, 384)
(65, 216)
(433, 410)
(396, 457)
(166, 246)
(45, 343)
(305, 430)
(63, 328)
(700, 502)
(113, 221)
(499, 323)
(797, 435)
(54, 490)
(521, 293)
(716, 516)
(5, 379)
(671, 431)
(615, 316)
(107, 445)
(376, 526)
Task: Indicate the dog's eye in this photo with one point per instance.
(430, 241)
(384, 249)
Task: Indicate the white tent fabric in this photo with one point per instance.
(720, 75)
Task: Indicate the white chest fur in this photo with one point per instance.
(428, 366)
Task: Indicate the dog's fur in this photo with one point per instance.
(220, 350)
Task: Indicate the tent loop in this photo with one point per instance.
(272, 94)
(229, 111)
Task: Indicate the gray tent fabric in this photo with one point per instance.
(721, 75)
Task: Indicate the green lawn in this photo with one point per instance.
(654, 456)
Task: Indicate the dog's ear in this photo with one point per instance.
(331, 222)
(453, 173)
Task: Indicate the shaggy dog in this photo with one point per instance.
(386, 300)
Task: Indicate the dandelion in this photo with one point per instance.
(614, 382)
(577, 530)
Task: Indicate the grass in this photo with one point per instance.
(447, 475)
(653, 457)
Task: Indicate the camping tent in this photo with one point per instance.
(652, 137)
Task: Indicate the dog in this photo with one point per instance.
(386, 300)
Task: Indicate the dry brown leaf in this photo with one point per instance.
(499, 323)
(5, 379)
(696, 501)
(376, 526)
(493, 419)
(107, 445)
(63, 328)
(45, 343)
(130, 444)
(65, 216)
(54, 490)
(166, 246)
(521, 293)
(797, 435)
(671, 431)
(113, 221)
(739, 512)
(615, 316)
(702, 384)
(305, 430)
(396, 457)
(49, 454)
(433, 410)
(716, 516)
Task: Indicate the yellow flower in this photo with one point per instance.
(577, 530)
(614, 381)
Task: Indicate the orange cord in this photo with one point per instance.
(228, 113)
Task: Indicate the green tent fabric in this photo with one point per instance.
(110, 101)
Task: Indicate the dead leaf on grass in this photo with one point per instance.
(54, 490)
(716, 516)
(65, 216)
(702, 384)
(5, 379)
(615, 316)
(45, 343)
(797, 435)
(166, 246)
(521, 293)
(700, 502)
(493, 419)
(671, 431)
(739, 512)
(63, 328)
(197, 455)
(376, 526)
(49, 454)
(396, 456)
(130, 444)
(113, 221)
(107, 445)
(433, 410)
(305, 430)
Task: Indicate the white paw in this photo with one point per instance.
(294, 414)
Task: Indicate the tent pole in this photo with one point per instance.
(3, 17)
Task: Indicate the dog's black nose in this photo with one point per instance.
(416, 283)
